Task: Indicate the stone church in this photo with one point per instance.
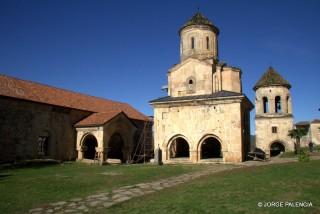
(40, 121)
(206, 116)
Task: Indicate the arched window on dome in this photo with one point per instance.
(192, 42)
(208, 45)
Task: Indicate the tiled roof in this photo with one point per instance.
(98, 118)
(31, 91)
(199, 19)
(219, 94)
(271, 78)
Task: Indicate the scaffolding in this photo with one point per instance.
(143, 150)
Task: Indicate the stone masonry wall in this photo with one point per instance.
(198, 119)
(22, 122)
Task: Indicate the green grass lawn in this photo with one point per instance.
(291, 154)
(25, 188)
(236, 191)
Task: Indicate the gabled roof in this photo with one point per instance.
(271, 78)
(31, 91)
(199, 19)
(189, 60)
(97, 119)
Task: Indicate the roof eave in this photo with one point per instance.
(196, 99)
(212, 27)
(256, 87)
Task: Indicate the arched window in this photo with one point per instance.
(277, 104)
(192, 42)
(43, 145)
(208, 46)
(265, 105)
(190, 84)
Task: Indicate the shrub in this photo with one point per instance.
(303, 156)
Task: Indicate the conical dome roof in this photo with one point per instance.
(199, 19)
(271, 78)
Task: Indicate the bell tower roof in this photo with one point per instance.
(199, 19)
(271, 78)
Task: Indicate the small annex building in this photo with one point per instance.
(40, 121)
(313, 132)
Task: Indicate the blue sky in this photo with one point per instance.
(122, 50)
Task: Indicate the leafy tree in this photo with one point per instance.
(297, 134)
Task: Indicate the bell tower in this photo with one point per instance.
(273, 113)
(199, 39)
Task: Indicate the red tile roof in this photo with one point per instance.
(31, 91)
(98, 118)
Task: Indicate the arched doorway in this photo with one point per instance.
(89, 147)
(115, 147)
(179, 148)
(276, 148)
(210, 148)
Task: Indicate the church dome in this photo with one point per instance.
(199, 19)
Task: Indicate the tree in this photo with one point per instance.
(297, 134)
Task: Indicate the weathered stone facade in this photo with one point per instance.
(226, 120)
(315, 131)
(23, 122)
(205, 115)
(274, 116)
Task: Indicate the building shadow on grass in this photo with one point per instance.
(36, 163)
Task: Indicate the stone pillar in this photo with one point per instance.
(100, 152)
(158, 156)
(289, 106)
(165, 154)
(271, 105)
(284, 104)
(193, 156)
(80, 153)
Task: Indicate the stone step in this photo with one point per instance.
(179, 160)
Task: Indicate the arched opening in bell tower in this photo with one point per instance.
(265, 105)
(277, 103)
